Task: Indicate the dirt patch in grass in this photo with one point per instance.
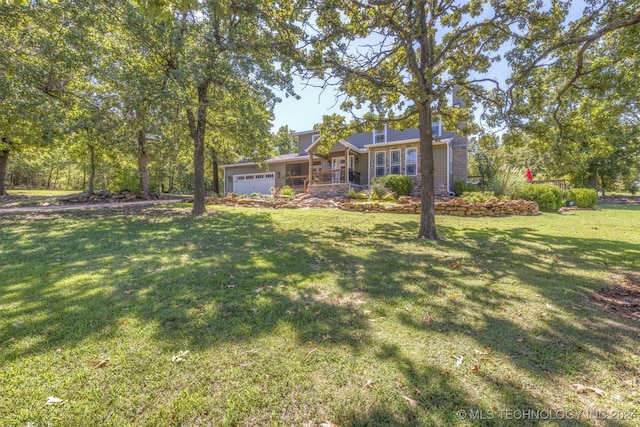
(621, 297)
(146, 208)
(18, 200)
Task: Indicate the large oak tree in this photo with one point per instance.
(399, 60)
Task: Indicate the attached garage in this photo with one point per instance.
(254, 183)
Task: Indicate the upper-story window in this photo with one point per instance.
(315, 137)
(380, 135)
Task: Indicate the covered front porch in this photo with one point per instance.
(332, 174)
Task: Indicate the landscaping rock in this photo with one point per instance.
(443, 206)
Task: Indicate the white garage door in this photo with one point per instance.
(254, 183)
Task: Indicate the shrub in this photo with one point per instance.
(353, 194)
(388, 198)
(631, 184)
(378, 191)
(255, 195)
(401, 185)
(583, 197)
(461, 187)
(548, 196)
(478, 196)
(287, 191)
(507, 182)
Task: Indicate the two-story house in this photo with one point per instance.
(353, 163)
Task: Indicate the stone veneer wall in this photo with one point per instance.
(460, 158)
(440, 164)
(329, 190)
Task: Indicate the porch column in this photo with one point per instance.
(346, 165)
(310, 178)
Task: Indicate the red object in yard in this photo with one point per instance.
(529, 175)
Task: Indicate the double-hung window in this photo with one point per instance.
(381, 166)
(411, 161)
(394, 162)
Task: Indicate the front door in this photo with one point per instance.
(337, 165)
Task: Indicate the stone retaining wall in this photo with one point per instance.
(455, 206)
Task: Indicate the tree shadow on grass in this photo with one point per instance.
(480, 287)
(202, 281)
(234, 278)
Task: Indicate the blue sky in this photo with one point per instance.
(301, 114)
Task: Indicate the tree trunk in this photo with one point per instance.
(4, 160)
(197, 127)
(49, 178)
(427, 188)
(142, 164)
(92, 168)
(593, 177)
(602, 185)
(215, 184)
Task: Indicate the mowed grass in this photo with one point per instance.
(277, 317)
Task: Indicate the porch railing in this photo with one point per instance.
(295, 180)
(330, 176)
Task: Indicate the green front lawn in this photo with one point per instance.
(276, 317)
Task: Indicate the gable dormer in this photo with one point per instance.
(305, 139)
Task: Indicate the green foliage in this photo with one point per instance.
(548, 196)
(478, 196)
(583, 197)
(284, 142)
(287, 191)
(378, 191)
(631, 182)
(125, 179)
(507, 181)
(632, 187)
(401, 185)
(585, 124)
(353, 194)
(255, 195)
(461, 187)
